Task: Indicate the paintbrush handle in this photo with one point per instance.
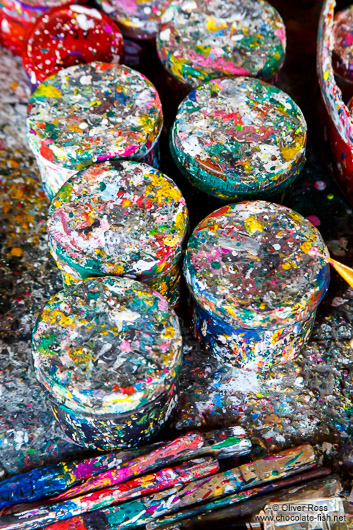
(165, 478)
(56, 479)
(141, 511)
(51, 480)
(181, 448)
(230, 500)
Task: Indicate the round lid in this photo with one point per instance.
(70, 35)
(205, 39)
(248, 263)
(107, 346)
(239, 136)
(342, 53)
(118, 217)
(137, 18)
(92, 112)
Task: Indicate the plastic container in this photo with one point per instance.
(70, 35)
(206, 39)
(138, 20)
(89, 113)
(107, 352)
(255, 287)
(239, 138)
(120, 218)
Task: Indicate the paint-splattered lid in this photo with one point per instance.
(118, 217)
(205, 39)
(70, 35)
(107, 345)
(239, 137)
(249, 264)
(139, 19)
(92, 112)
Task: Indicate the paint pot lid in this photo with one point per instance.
(139, 19)
(118, 217)
(239, 136)
(106, 346)
(206, 39)
(342, 37)
(92, 112)
(70, 35)
(248, 263)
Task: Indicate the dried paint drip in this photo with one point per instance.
(88, 113)
(70, 35)
(255, 286)
(342, 53)
(107, 351)
(241, 137)
(120, 218)
(205, 39)
(138, 19)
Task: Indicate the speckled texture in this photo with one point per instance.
(89, 113)
(70, 35)
(105, 347)
(29, 435)
(342, 53)
(247, 267)
(205, 39)
(138, 19)
(239, 137)
(120, 218)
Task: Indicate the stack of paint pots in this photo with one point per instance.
(202, 40)
(17, 17)
(238, 138)
(254, 285)
(120, 218)
(107, 353)
(69, 35)
(90, 113)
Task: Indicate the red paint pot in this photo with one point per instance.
(70, 35)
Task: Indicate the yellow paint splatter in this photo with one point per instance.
(253, 225)
(48, 91)
(18, 252)
(213, 24)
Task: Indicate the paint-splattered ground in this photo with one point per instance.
(309, 399)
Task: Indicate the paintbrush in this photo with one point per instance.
(52, 480)
(145, 509)
(306, 485)
(345, 272)
(230, 500)
(39, 516)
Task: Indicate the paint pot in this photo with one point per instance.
(255, 287)
(107, 353)
(138, 20)
(120, 218)
(206, 39)
(238, 138)
(88, 113)
(70, 35)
